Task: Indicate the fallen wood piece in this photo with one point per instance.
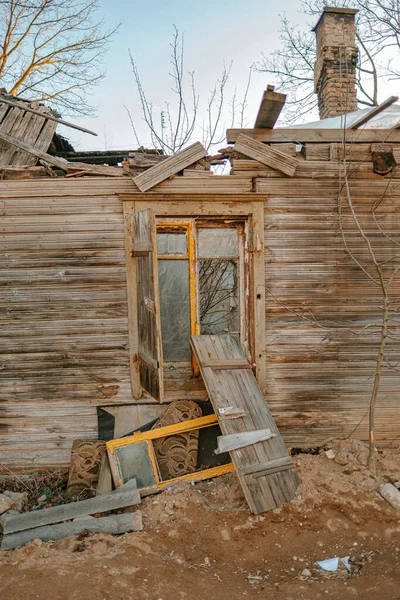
(61, 163)
(266, 155)
(103, 170)
(270, 108)
(234, 441)
(375, 110)
(126, 495)
(266, 472)
(105, 484)
(115, 524)
(47, 116)
(170, 166)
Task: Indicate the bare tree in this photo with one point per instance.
(380, 265)
(178, 122)
(52, 50)
(292, 65)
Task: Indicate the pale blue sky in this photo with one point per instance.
(214, 32)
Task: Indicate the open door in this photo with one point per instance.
(148, 305)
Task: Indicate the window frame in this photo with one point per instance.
(230, 206)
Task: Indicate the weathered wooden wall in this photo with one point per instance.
(63, 303)
(63, 315)
(320, 375)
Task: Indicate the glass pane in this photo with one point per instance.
(217, 242)
(171, 243)
(134, 461)
(219, 296)
(173, 277)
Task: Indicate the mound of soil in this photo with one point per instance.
(201, 541)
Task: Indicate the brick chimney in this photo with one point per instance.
(335, 67)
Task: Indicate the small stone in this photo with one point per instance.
(19, 499)
(390, 494)
(330, 454)
(306, 573)
(5, 504)
(42, 499)
(225, 535)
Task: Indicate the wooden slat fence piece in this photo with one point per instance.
(375, 110)
(270, 108)
(115, 524)
(50, 117)
(61, 163)
(266, 155)
(170, 166)
(126, 495)
(238, 388)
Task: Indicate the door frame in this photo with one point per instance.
(187, 205)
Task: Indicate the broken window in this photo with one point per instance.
(201, 274)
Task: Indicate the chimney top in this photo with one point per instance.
(335, 67)
(337, 10)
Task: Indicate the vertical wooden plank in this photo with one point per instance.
(129, 209)
(258, 294)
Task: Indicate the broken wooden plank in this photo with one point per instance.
(239, 388)
(104, 170)
(105, 483)
(50, 117)
(61, 163)
(375, 110)
(126, 495)
(115, 524)
(300, 136)
(266, 155)
(170, 166)
(270, 108)
(234, 441)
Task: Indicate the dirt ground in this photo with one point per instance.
(200, 541)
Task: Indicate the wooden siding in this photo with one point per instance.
(63, 314)
(320, 375)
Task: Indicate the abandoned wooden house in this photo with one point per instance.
(106, 271)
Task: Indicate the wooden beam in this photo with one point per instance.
(375, 110)
(170, 166)
(300, 136)
(61, 163)
(266, 155)
(113, 524)
(47, 116)
(126, 495)
(270, 108)
(103, 170)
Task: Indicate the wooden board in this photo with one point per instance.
(148, 311)
(264, 486)
(316, 135)
(270, 109)
(170, 166)
(375, 110)
(265, 154)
